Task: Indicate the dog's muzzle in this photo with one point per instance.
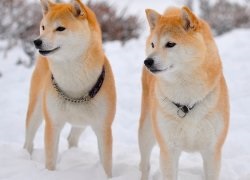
(38, 44)
(149, 63)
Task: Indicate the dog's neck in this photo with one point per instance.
(186, 90)
(77, 76)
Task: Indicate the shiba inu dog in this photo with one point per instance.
(185, 104)
(72, 82)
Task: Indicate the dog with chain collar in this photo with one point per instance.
(72, 82)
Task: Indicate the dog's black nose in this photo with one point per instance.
(38, 43)
(149, 62)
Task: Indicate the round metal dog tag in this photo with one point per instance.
(181, 114)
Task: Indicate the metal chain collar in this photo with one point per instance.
(83, 99)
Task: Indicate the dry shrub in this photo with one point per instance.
(115, 26)
(19, 25)
(224, 16)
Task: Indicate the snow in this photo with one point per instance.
(83, 162)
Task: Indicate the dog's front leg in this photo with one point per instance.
(146, 143)
(169, 163)
(33, 121)
(104, 138)
(52, 133)
(211, 164)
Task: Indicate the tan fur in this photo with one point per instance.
(76, 72)
(193, 76)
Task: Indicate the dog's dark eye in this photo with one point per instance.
(170, 44)
(43, 28)
(153, 45)
(60, 28)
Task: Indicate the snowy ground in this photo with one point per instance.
(83, 162)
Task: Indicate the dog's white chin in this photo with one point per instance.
(49, 52)
(166, 69)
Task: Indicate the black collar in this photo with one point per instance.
(85, 98)
(183, 110)
(98, 85)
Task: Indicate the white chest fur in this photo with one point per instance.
(190, 134)
(82, 114)
(199, 129)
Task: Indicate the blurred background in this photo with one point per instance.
(125, 30)
(121, 21)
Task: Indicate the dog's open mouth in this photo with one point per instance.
(46, 52)
(155, 70)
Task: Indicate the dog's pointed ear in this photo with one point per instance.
(152, 17)
(78, 8)
(46, 4)
(189, 20)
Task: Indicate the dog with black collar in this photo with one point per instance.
(185, 104)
